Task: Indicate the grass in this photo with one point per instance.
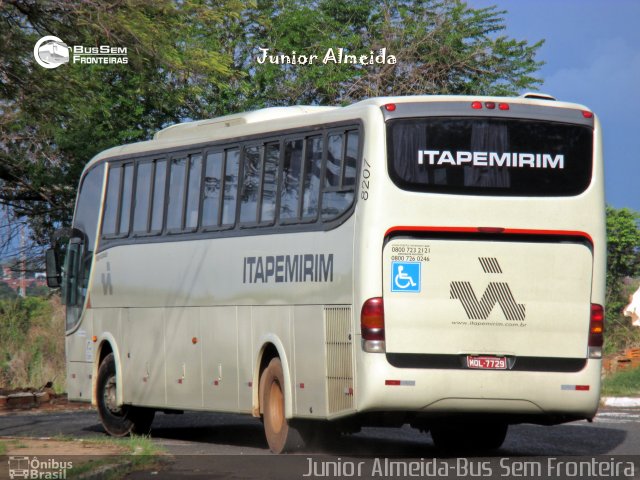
(134, 445)
(140, 453)
(623, 383)
(32, 343)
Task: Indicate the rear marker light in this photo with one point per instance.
(596, 331)
(400, 383)
(390, 107)
(587, 114)
(503, 106)
(490, 105)
(476, 105)
(372, 325)
(576, 388)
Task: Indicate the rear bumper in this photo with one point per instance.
(383, 387)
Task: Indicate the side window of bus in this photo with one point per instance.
(312, 173)
(290, 183)
(212, 186)
(127, 197)
(351, 159)
(117, 212)
(340, 173)
(157, 203)
(334, 161)
(177, 178)
(112, 201)
(270, 183)
(229, 200)
(88, 208)
(142, 198)
(250, 187)
(184, 193)
(193, 192)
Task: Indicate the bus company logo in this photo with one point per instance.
(496, 292)
(25, 467)
(51, 52)
(491, 159)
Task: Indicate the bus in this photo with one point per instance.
(436, 261)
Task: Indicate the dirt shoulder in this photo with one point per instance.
(52, 447)
(26, 400)
(89, 459)
(53, 457)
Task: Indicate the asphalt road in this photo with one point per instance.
(208, 445)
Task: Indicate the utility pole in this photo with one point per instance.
(22, 291)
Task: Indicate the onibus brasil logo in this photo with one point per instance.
(51, 52)
(27, 467)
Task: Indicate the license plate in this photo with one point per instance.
(487, 363)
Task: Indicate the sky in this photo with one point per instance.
(592, 55)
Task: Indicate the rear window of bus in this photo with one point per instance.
(488, 156)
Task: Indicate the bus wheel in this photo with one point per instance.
(122, 420)
(280, 436)
(481, 436)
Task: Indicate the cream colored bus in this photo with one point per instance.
(437, 261)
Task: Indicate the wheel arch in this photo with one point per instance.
(106, 345)
(271, 347)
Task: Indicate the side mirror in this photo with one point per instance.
(54, 276)
(71, 272)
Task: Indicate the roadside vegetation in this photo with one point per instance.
(623, 383)
(32, 343)
(623, 277)
(138, 453)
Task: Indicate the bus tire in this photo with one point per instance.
(469, 437)
(280, 436)
(119, 421)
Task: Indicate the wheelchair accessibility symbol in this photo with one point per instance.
(405, 277)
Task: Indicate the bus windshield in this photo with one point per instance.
(489, 156)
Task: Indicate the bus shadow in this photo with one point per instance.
(522, 440)
(232, 435)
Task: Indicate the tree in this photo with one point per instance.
(441, 47)
(194, 59)
(623, 261)
(54, 121)
(623, 248)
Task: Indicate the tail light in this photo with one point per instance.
(596, 331)
(372, 325)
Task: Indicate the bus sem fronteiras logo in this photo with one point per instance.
(51, 52)
(496, 292)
